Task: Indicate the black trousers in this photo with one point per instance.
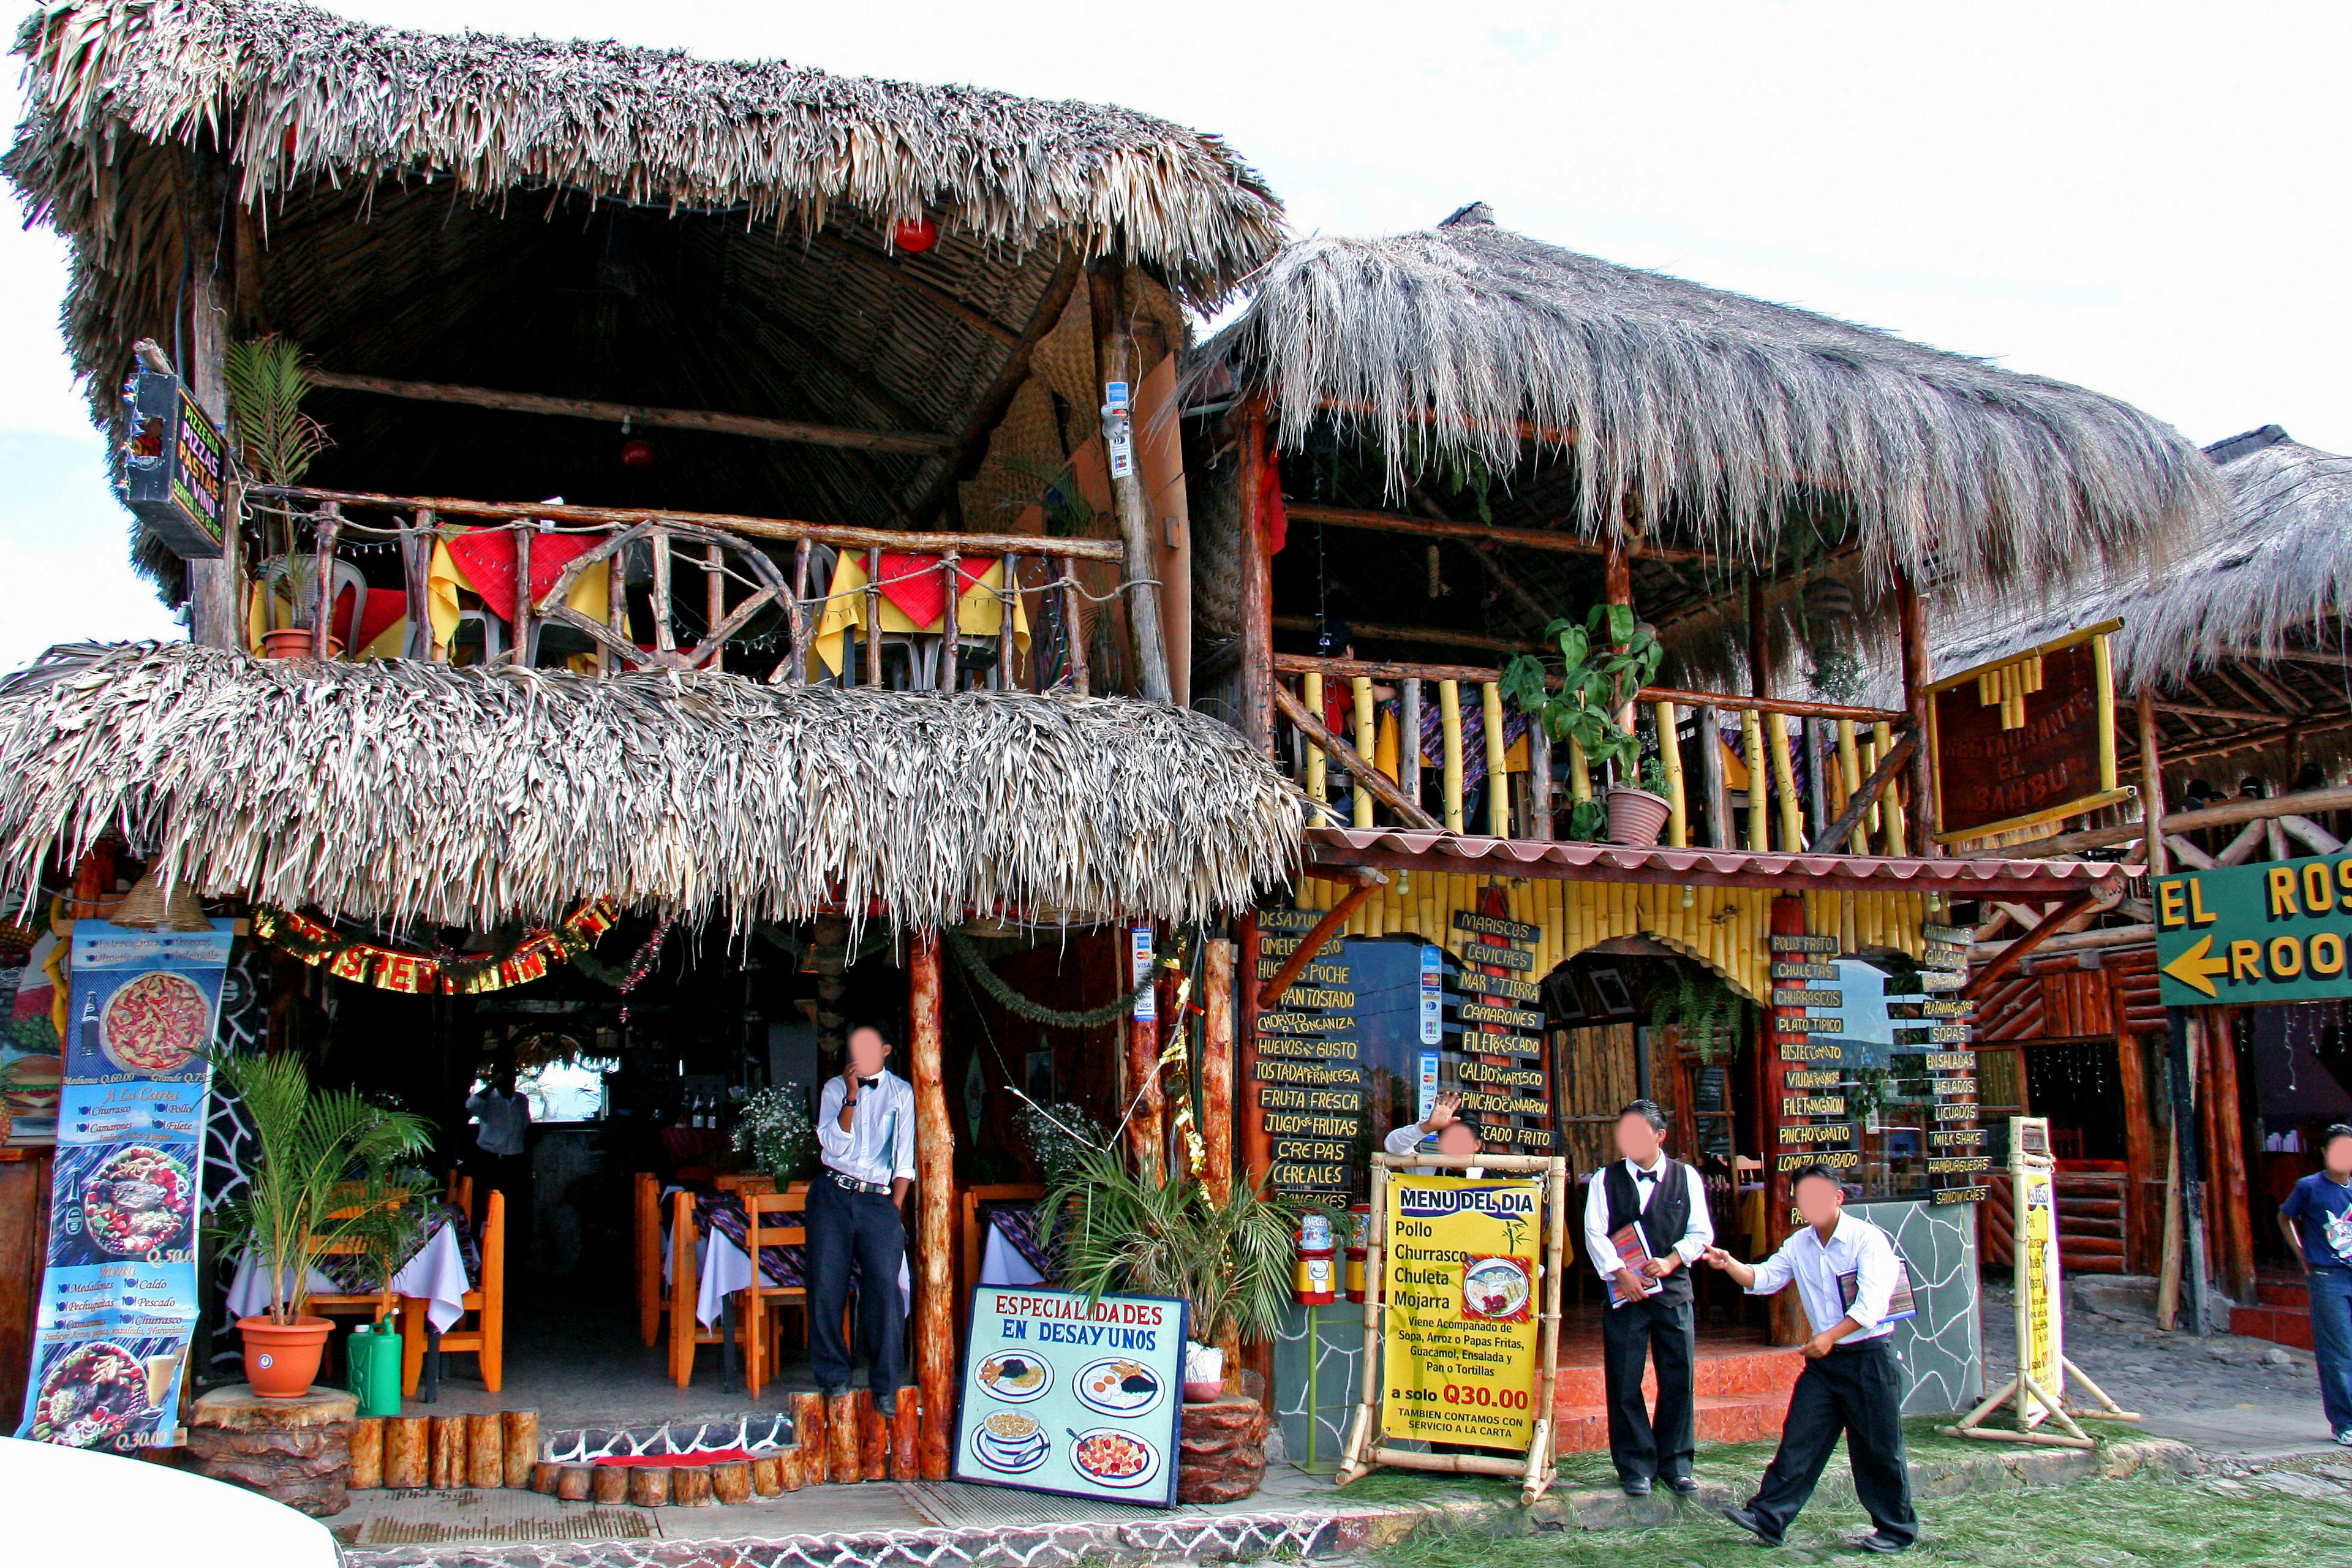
(1857, 1390)
(843, 1224)
(1644, 1446)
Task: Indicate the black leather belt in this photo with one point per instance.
(853, 1185)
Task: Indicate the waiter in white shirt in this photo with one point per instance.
(1456, 1138)
(1653, 1318)
(866, 1135)
(1852, 1381)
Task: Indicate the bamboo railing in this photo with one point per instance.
(742, 584)
(1810, 765)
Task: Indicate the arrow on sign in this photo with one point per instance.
(2193, 968)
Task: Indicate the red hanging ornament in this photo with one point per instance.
(638, 453)
(915, 234)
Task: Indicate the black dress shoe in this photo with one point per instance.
(1682, 1484)
(1636, 1486)
(1752, 1525)
(1877, 1541)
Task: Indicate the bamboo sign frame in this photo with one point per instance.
(1365, 1447)
(2006, 682)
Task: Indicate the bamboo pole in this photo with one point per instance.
(1579, 772)
(1498, 795)
(1361, 1434)
(1409, 739)
(1074, 627)
(617, 607)
(1449, 711)
(1366, 734)
(1539, 1467)
(1759, 833)
(1318, 788)
(1891, 802)
(1784, 779)
(1670, 757)
(935, 1356)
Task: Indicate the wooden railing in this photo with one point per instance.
(726, 550)
(1852, 799)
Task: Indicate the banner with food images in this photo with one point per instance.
(119, 1298)
(1458, 1363)
(1078, 1397)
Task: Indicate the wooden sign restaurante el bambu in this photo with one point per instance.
(2028, 740)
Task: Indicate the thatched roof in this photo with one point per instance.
(1721, 417)
(306, 96)
(405, 790)
(2276, 569)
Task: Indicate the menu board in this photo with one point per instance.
(1938, 1032)
(119, 1298)
(1078, 1398)
(1809, 1026)
(1502, 1071)
(1458, 1352)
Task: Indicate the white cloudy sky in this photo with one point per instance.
(2145, 198)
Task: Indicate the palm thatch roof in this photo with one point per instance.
(410, 792)
(1605, 397)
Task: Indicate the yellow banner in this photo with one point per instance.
(1463, 1283)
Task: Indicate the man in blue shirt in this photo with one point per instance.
(2318, 1219)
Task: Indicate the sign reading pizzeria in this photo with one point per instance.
(1076, 1397)
(2027, 740)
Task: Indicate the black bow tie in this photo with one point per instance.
(867, 1082)
(1646, 1175)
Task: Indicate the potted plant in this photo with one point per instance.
(1122, 1232)
(1602, 664)
(276, 441)
(323, 1177)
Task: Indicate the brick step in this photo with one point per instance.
(1721, 1418)
(2280, 1325)
(1746, 1374)
(2283, 1293)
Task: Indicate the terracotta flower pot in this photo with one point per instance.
(296, 642)
(1636, 816)
(281, 1359)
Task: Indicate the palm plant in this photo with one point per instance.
(1132, 1233)
(325, 1175)
(269, 380)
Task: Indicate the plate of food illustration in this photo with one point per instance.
(1118, 1387)
(1497, 1290)
(1015, 1377)
(1010, 1442)
(89, 1394)
(137, 1201)
(1111, 1457)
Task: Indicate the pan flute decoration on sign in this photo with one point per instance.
(2026, 741)
(1496, 1042)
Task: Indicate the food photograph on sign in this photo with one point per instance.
(1078, 1397)
(1458, 1345)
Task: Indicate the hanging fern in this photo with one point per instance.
(1702, 1008)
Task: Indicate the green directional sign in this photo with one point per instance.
(2277, 932)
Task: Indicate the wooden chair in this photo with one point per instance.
(743, 1183)
(975, 1235)
(379, 1303)
(760, 1337)
(458, 1189)
(645, 1202)
(487, 1302)
(686, 1333)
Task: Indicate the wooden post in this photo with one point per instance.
(649, 1486)
(714, 601)
(799, 617)
(1147, 1129)
(2229, 1195)
(1498, 795)
(935, 1358)
(1784, 780)
(1074, 626)
(322, 556)
(1255, 708)
(407, 1452)
(1617, 587)
(873, 1438)
(2139, 1145)
(1217, 1067)
(415, 566)
(665, 634)
(1918, 674)
(1115, 360)
(2168, 1280)
(950, 616)
(521, 1445)
(1008, 611)
(1539, 823)
(367, 1454)
(1449, 710)
(1719, 833)
(215, 588)
(874, 618)
(616, 606)
(523, 533)
(1367, 747)
(844, 1463)
(485, 1451)
(2151, 788)
(1409, 739)
(808, 1431)
(448, 1452)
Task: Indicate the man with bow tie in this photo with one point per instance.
(865, 1134)
(1651, 1315)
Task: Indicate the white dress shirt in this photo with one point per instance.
(1697, 1237)
(881, 1143)
(1855, 1247)
(504, 1120)
(1406, 1139)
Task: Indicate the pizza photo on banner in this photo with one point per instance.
(119, 1298)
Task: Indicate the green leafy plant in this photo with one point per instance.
(327, 1174)
(1702, 1008)
(268, 383)
(1602, 663)
(1124, 1232)
(775, 1130)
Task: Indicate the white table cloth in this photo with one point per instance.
(437, 1274)
(721, 1270)
(1001, 1262)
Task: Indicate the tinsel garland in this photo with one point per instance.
(524, 957)
(968, 954)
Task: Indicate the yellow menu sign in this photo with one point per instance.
(1458, 1357)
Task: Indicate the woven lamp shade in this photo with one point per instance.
(147, 907)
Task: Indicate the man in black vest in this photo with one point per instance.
(1650, 1314)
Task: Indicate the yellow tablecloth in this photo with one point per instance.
(978, 612)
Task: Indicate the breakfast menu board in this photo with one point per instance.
(119, 1298)
(1076, 1397)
